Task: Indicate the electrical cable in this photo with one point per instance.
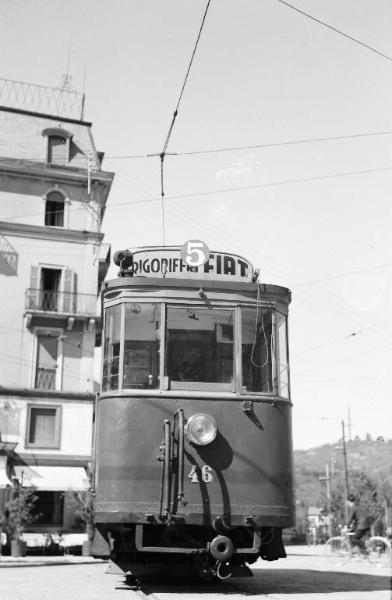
(258, 186)
(227, 190)
(344, 337)
(353, 39)
(257, 146)
(315, 281)
(38, 158)
(166, 143)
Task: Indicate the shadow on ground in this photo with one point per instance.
(282, 581)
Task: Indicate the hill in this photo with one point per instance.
(368, 461)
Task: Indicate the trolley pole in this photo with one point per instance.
(345, 474)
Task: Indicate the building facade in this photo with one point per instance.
(53, 193)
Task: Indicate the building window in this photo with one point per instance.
(49, 289)
(54, 209)
(58, 150)
(59, 144)
(43, 427)
(52, 289)
(49, 508)
(46, 364)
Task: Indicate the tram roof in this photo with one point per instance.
(196, 284)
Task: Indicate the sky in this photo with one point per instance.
(305, 195)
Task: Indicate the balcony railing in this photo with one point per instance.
(62, 302)
(45, 379)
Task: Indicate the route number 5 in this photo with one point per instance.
(195, 253)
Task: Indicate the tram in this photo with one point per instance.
(192, 465)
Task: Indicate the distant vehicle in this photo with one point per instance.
(193, 444)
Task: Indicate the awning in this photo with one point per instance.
(53, 479)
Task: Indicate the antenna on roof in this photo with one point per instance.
(66, 84)
(84, 89)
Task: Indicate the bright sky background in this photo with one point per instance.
(263, 74)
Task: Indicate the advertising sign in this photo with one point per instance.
(192, 260)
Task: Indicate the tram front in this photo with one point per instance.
(193, 452)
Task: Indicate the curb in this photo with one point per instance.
(55, 561)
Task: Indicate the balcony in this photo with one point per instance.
(60, 303)
(45, 379)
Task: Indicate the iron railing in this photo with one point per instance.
(63, 302)
(45, 379)
(61, 101)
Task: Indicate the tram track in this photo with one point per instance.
(141, 590)
(145, 591)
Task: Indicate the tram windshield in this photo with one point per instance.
(206, 348)
(199, 346)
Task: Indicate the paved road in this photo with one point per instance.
(304, 575)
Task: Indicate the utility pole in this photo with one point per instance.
(345, 474)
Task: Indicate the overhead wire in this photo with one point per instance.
(38, 158)
(345, 337)
(257, 146)
(340, 276)
(339, 31)
(258, 186)
(168, 136)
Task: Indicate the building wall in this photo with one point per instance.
(36, 322)
(22, 137)
(17, 349)
(75, 425)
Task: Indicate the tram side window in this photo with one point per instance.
(258, 353)
(141, 345)
(199, 346)
(111, 348)
(281, 325)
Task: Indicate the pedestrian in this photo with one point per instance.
(359, 522)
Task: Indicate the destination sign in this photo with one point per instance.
(172, 262)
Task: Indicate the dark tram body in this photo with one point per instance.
(193, 447)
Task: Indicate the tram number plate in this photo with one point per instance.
(206, 474)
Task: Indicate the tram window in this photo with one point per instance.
(258, 353)
(141, 345)
(111, 348)
(199, 346)
(281, 325)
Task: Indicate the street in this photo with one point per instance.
(304, 574)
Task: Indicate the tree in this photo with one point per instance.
(370, 494)
(19, 511)
(84, 511)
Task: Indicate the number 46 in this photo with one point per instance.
(206, 474)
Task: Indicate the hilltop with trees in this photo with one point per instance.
(369, 474)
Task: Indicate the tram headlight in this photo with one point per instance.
(201, 429)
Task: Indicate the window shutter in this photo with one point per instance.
(33, 295)
(57, 150)
(68, 303)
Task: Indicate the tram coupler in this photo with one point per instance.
(221, 548)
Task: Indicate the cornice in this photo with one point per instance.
(31, 113)
(59, 234)
(28, 169)
(54, 395)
